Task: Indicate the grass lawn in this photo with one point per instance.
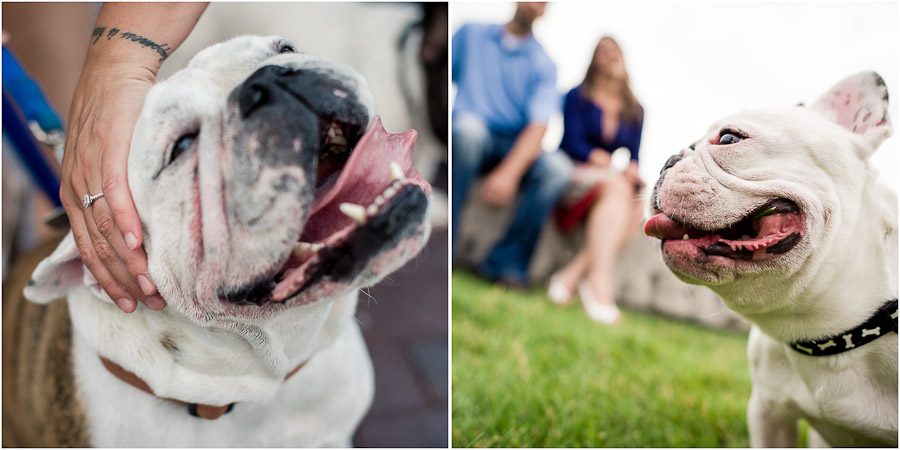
(527, 373)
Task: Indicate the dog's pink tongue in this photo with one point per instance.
(662, 226)
(368, 171)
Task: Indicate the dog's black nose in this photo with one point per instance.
(260, 88)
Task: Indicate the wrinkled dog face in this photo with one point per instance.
(767, 193)
(264, 181)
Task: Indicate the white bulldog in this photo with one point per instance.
(779, 212)
(269, 194)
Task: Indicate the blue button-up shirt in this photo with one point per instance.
(509, 86)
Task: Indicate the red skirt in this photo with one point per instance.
(587, 184)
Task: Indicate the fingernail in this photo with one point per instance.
(155, 303)
(146, 285)
(131, 241)
(126, 304)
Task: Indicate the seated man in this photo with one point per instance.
(506, 92)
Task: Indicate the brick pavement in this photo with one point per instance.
(405, 327)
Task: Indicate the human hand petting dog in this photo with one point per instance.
(121, 67)
(104, 110)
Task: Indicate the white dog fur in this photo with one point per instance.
(842, 270)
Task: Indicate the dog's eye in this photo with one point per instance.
(728, 138)
(287, 48)
(182, 145)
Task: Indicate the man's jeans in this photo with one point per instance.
(477, 149)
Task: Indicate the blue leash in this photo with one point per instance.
(26, 116)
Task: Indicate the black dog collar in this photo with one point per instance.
(881, 323)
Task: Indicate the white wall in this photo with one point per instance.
(693, 62)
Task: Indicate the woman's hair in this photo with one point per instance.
(631, 111)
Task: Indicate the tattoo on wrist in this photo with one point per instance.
(162, 49)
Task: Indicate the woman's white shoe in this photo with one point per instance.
(558, 292)
(605, 314)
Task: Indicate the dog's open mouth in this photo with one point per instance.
(766, 232)
(368, 195)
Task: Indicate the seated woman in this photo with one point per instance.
(600, 116)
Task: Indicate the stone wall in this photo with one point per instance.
(642, 281)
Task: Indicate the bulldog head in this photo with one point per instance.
(264, 182)
(768, 195)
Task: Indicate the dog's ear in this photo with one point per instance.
(859, 103)
(57, 273)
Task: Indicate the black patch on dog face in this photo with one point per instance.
(251, 294)
(343, 262)
(285, 183)
(283, 104)
(398, 221)
(784, 245)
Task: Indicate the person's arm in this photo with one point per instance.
(458, 53)
(635, 143)
(499, 187)
(128, 45)
(632, 173)
(575, 142)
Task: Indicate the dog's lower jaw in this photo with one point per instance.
(334, 388)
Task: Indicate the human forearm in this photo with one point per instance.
(126, 49)
(141, 34)
(524, 152)
(499, 187)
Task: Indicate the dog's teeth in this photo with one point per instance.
(379, 200)
(685, 237)
(389, 192)
(301, 248)
(354, 211)
(372, 210)
(339, 140)
(746, 237)
(338, 131)
(316, 247)
(331, 133)
(396, 172)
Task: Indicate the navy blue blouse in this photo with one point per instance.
(583, 132)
